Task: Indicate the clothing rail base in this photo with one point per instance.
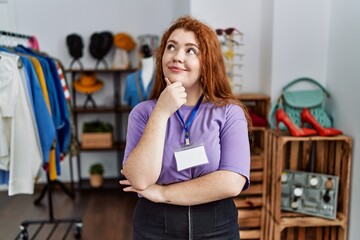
(24, 235)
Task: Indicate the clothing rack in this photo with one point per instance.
(17, 35)
(23, 234)
(13, 36)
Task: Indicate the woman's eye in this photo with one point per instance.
(191, 51)
(170, 47)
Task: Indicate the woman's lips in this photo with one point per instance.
(176, 68)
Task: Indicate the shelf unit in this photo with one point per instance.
(332, 157)
(232, 46)
(250, 203)
(117, 110)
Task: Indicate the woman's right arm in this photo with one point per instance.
(143, 165)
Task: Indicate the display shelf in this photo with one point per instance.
(250, 203)
(111, 70)
(117, 110)
(232, 47)
(102, 109)
(117, 146)
(323, 155)
(302, 221)
(257, 102)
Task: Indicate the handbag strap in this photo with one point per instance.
(306, 80)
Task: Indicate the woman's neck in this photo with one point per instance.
(193, 95)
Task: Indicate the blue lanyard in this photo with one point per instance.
(187, 125)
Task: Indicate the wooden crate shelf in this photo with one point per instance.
(250, 203)
(324, 155)
(250, 234)
(257, 162)
(303, 221)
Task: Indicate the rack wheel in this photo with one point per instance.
(77, 231)
(23, 233)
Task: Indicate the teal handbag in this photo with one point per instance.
(293, 102)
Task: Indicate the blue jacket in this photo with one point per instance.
(134, 91)
(60, 110)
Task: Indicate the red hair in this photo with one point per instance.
(213, 78)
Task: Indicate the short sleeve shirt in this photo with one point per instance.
(222, 130)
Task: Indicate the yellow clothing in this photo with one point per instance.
(40, 74)
(42, 82)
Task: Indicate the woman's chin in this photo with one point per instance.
(174, 79)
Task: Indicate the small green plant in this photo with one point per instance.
(96, 168)
(97, 127)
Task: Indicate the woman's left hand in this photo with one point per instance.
(152, 193)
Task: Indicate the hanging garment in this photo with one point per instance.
(61, 114)
(44, 124)
(24, 159)
(42, 82)
(51, 168)
(63, 81)
(60, 110)
(74, 146)
(42, 113)
(135, 91)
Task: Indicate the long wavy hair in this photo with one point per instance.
(213, 78)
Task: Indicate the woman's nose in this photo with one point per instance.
(178, 57)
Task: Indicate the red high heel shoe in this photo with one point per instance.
(281, 116)
(306, 116)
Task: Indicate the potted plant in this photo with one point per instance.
(96, 175)
(97, 134)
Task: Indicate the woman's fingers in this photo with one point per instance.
(167, 81)
(172, 98)
(124, 182)
(129, 189)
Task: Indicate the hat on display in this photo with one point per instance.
(124, 41)
(88, 83)
(100, 44)
(75, 45)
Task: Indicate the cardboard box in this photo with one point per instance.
(97, 140)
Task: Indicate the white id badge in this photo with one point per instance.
(190, 157)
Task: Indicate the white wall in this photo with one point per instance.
(300, 41)
(181, 8)
(7, 15)
(265, 56)
(342, 79)
(58, 18)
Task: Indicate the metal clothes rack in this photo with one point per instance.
(23, 234)
(16, 35)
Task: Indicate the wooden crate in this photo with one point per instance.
(332, 156)
(250, 203)
(96, 140)
(257, 102)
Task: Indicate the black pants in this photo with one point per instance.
(157, 221)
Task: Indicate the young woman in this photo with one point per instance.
(187, 149)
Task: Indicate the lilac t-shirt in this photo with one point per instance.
(222, 130)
